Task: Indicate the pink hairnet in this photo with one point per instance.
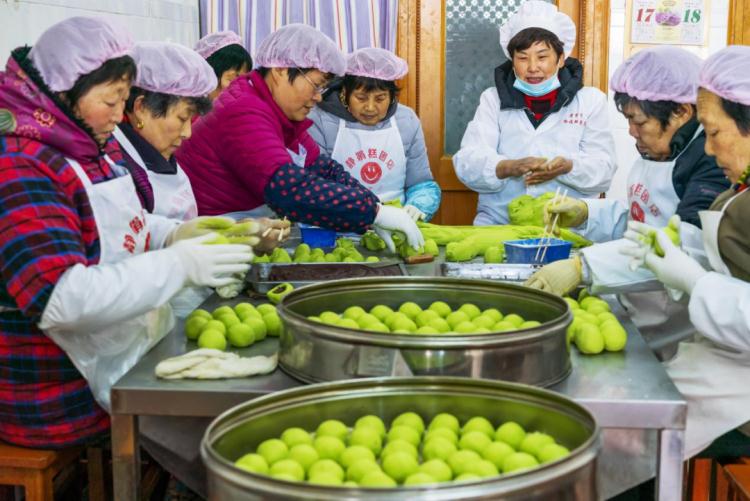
(215, 41)
(725, 74)
(538, 14)
(659, 74)
(76, 47)
(173, 69)
(376, 63)
(301, 46)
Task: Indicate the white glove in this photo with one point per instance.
(211, 265)
(214, 364)
(414, 213)
(390, 219)
(676, 269)
(232, 290)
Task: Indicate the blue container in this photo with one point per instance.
(317, 237)
(525, 251)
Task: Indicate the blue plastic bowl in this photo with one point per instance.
(317, 237)
(525, 251)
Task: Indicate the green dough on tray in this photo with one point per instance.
(527, 210)
(594, 328)
(239, 327)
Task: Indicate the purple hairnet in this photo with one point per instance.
(725, 74)
(215, 41)
(76, 47)
(376, 63)
(659, 74)
(173, 69)
(301, 46)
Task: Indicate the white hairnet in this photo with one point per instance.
(725, 74)
(301, 46)
(216, 41)
(173, 69)
(538, 14)
(377, 63)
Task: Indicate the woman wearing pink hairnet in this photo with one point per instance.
(656, 90)
(84, 295)
(254, 149)
(361, 124)
(226, 55)
(712, 370)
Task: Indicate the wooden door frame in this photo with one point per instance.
(738, 26)
(421, 35)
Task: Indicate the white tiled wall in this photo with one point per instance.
(22, 21)
(626, 152)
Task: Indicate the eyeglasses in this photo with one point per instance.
(319, 89)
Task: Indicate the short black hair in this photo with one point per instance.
(660, 110)
(738, 112)
(115, 69)
(368, 84)
(159, 103)
(293, 72)
(231, 57)
(528, 37)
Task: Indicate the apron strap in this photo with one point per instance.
(85, 180)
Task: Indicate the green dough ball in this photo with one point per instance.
(494, 254)
(445, 420)
(431, 247)
(529, 324)
(284, 476)
(354, 312)
(589, 339)
(360, 468)
(533, 442)
(475, 441)
(478, 423)
(254, 463)
(354, 453)
(493, 313)
(404, 324)
(377, 327)
(367, 437)
(456, 318)
(377, 479)
(437, 469)
(214, 339)
(350, 483)
(396, 317)
(483, 468)
(427, 331)
(514, 319)
(194, 326)
(381, 312)
(245, 314)
(331, 258)
(410, 309)
(467, 477)
(273, 324)
(348, 323)
(399, 445)
(440, 325)
(441, 308)
(371, 421)
(511, 433)
(366, 320)
(240, 335)
(215, 325)
(572, 303)
(399, 465)
(325, 479)
(419, 478)
(410, 419)
(229, 320)
(326, 466)
(461, 461)
(265, 309)
(200, 313)
(280, 255)
(465, 328)
(607, 316)
(615, 337)
(496, 452)
(258, 326)
(438, 448)
(425, 317)
(304, 454)
(406, 433)
(332, 428)
(552, 452)
(329, 447)
(372, 259)
(288, 467)
(519, 461)
(273, 450)
(221, 311)
(294, 436)
(597, 308)
(484, 321)
(471, 310)
(446, 433)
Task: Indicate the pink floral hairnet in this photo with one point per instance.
(377, 63)
(538, 14)
(75, 47)
(301, 46)
(725, 74)
(173, 69)
(215, 41)
(659, 74)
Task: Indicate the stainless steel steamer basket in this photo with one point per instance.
(242, 428)
(315, 352)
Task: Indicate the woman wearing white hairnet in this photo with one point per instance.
(656, 91)
(712, 370)
(538, 129)
(380, 142)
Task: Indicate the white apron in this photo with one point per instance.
(375, 158)
(105, 355)
(713, 379)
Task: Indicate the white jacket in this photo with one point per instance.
(579, 131)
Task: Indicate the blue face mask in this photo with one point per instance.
(536, 90)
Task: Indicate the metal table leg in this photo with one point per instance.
(669, 465)
(126, 458)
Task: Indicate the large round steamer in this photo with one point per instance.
(241, 429)
(316, 352)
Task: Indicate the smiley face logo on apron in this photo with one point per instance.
(371, 173)
(636, 213)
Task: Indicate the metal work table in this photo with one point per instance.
(641, 412)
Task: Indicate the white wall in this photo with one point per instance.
(626, 152)
(22, 21)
